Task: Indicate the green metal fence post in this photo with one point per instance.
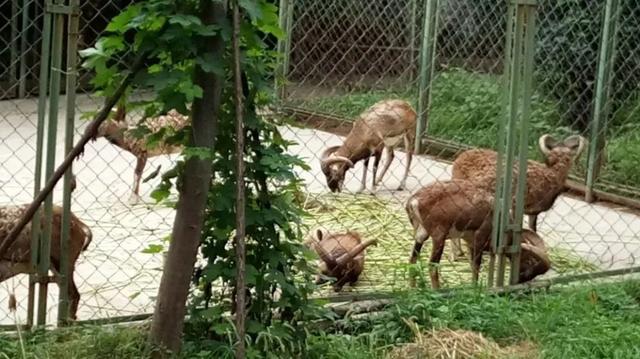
(42, 108)
(52, 129)
(71, 77)
(518, 77)
(602, 107)
(13, 47)
(24, 39)
(412, 39)
(527, 79)
(511, 126)
(283, 13)
(500, 146)
(287, 47)
(427, 56)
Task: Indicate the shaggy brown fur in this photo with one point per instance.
(17, 258)
(117, 131)
(342, 255)
(460, 209)
(545, 182)
(381, 126)
(450, 209)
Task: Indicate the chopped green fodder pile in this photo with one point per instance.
(386, 265)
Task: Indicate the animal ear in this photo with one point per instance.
(575, 142)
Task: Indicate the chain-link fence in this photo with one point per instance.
(117, 275)
(343, 57)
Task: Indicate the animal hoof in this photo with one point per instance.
(134, 199)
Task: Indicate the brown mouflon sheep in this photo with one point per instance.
(342, 255)
(17, 258)
(383, 125)
(460, 209)
(545, 182)
(117, 132)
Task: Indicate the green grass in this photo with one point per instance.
(466, 108)
(386, 266)
(582, 321)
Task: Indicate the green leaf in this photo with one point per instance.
(121, 22)
(252, 7)
(185, 20)
(153, 249)
(201, 153)
(210, 62)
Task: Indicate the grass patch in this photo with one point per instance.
(387, 265)
(579, 321)
(466, 108)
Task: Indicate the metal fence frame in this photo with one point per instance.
(518, 62)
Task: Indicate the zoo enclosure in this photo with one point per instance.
(447, 58)
(341, 57)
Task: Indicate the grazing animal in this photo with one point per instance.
(117, 131)
(383, 125)
(17, 258)
(460, 209)
(342, 255)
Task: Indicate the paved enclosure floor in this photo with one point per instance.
(117, 278)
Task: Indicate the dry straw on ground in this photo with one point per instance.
(386, 265)
(458, 344)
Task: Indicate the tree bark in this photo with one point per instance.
(170, 310)
(240, 192)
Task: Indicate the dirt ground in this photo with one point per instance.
(116, 278)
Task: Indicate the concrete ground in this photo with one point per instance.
(116, 278)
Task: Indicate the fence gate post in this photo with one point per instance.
(518, 71)
(55, 14)
(70, 91)
(284, 46)
(602, 107)
(427, 56)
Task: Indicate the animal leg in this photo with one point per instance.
(376, 162)
(337, 286)
(137, 176)
(456, 250)
(408, 145)
(363, 185)
(387, 163)
(74, 297)
(436, 256)
(475, 259)
(420, 237)
(74, 294)
(533, 222)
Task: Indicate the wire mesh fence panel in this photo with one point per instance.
(346, 56)
(119, 273)
(343, 58)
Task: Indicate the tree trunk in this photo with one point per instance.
(168, 317)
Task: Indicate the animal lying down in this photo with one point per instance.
(342, 255)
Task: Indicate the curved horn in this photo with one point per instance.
(325, 155)
(347, 257)
(543, 263)
(571, 142)
(545, 143)
(326, 257)
(337, 159)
